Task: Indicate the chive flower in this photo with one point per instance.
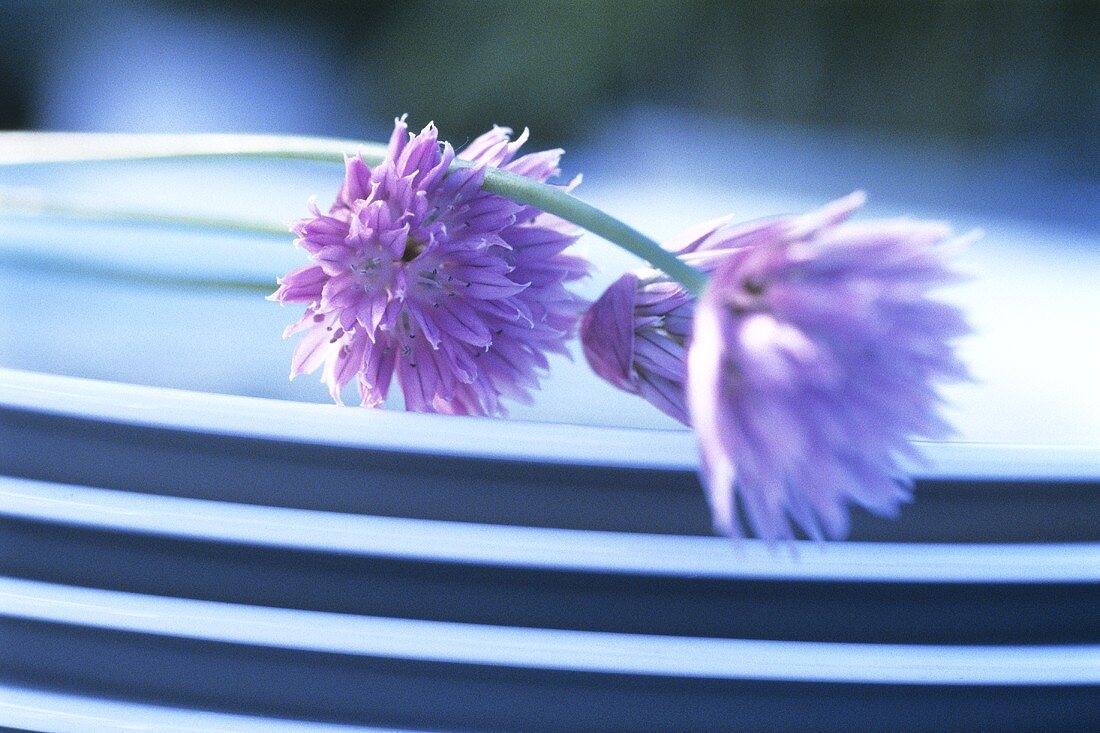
(806, 368)
(416, 271)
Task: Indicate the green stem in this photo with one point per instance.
(37, 148)
(106, 271)
(36, 204)
(559, 203)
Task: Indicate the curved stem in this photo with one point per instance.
(106, 271)
(559, 203)
(37, 148)
(37, 204)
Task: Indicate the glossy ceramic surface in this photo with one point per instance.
(190, 542)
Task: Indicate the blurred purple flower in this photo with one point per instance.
(813, 357)
(810, 361)
(418, 271)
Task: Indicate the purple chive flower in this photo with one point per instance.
(417, 271)
(813, 356)
(809, 362)
(635, 335)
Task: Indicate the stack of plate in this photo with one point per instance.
(179, 559)
(174, 559)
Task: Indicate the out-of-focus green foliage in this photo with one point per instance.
(960, 71)
(974, 72)
(544, 64)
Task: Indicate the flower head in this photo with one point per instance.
(813, 356)
(417, 271)
(635, 334)
(809, 362)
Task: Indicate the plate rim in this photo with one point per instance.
(544, 548)
(562, 650)
(480, 438)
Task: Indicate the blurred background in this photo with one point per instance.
(982, 112)
(981, 75)
(766, 93)
(763, 93)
